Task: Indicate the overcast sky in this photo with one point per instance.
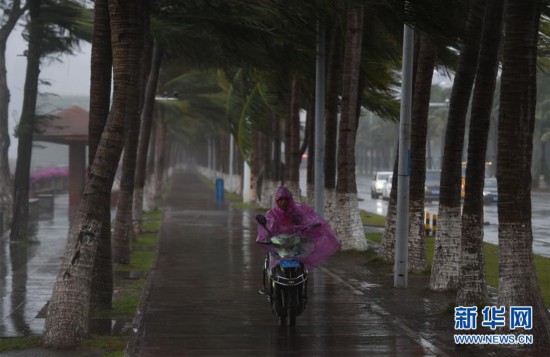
(71, 76)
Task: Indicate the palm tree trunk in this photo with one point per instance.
(267, 181)
(253, 165)
(6, 187)
(293, 165)
(151, 157)
(277, 150)
(427, 55)
(310, 140)
(68, 309)
(100, 85)
(387, 244)
(158, 174)
(100, 100)
(26, 128)
(19, 256)
(331, 121)
(472, 287)
(257, 168)
(144, 137)
(518, 284)
(349, 228)
(124, 232)
(444, 275)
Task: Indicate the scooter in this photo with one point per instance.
(287, 291)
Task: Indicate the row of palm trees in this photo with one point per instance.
(458, 263)
(247, 68)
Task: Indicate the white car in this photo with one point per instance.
(377, 183)
(386, 191)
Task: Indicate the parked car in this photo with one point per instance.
(431, 186)
(386, 190)
(490, 191)
(377, 183)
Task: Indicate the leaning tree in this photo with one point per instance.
(518, 284)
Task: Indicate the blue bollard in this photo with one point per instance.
(219, 189)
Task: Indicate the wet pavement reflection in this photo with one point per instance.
(540, 203)
(204, 300)
(28, 270)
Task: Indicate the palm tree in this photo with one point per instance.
(349, 228)
(68, 309)
(427, 55)
(518, 284)
(100, 100)
(444, 274)
(472, 289)
(54, 27)
(309, 145)
(123, 231)
(144, 137)
(378, 68)
(542, 135)
(159, 163)
(331, 119)
(387, 244)
(6, 193)
(437, 121)
(292, 143)
(426, 18)
(26, 126)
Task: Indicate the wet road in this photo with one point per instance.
(540, 213)
(203, 298)
(28, 271)
(203, 301)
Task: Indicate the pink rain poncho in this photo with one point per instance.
(292, 221)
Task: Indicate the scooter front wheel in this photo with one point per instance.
(292, 304)
(278, 301)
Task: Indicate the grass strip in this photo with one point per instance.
(19, 343)
(127, 292)
(490, 252)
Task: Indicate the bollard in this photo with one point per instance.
(434, 224)
(427, 224)
(219, 189)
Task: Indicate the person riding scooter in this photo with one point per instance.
(289, 217)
